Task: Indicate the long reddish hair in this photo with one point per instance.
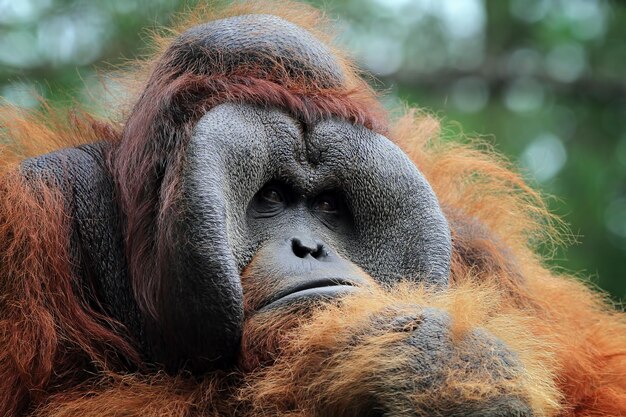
(61, 357)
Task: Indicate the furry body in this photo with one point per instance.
(62, 355)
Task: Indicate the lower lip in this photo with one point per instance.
(312, 294)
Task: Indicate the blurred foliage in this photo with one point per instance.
(544, 77)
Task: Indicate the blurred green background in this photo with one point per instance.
(543, 80)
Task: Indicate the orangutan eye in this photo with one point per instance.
(270, 200)
(327, 204)
(272, 195)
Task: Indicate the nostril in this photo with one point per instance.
(299, 249)
(302, 248)
(319, 251)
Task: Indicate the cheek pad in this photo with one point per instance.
(400, 226)
(232, 152)
(224, 159)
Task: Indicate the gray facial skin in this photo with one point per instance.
(236, 150)
(390, 226)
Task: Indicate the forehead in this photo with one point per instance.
(248, 131)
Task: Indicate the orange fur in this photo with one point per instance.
(59, 358)
(336, 351)
(587, 336)
(47, 336)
